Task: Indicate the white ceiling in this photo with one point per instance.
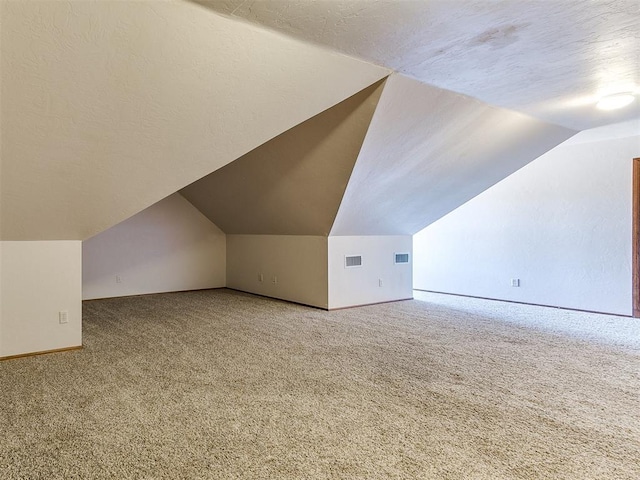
(428, 151)
(550, 59)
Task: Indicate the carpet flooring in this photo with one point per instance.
(223, 385)
(594, 327)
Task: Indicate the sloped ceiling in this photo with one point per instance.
(548, 59)
(108, 107)
(293, 184)
(428, 151)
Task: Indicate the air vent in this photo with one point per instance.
(401, 258)
(352, 261)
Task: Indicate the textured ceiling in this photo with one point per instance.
(550, 59)
(293, 184)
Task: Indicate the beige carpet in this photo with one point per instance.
(219, 384)
(600, 328)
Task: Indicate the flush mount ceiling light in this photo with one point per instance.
(615, 101)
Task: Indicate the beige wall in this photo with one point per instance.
(293, 184)
(167, 247)
(379, 279)
(40, 279)
(298, 262)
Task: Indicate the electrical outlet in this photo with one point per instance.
(118, 279)
(515, 282)
(380, 283)
(63, 316)
(260, 277)
(275, 280)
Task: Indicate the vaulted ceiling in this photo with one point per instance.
(428, 151)
(548, 59)
(108, 107)
(294, 183)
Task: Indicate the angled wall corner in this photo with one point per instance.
(292, 184)
(287, 267)
(428, 151)
(168, 247)
(109, 107)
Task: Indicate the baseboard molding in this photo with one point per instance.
(152, 293)
(368, 304)
(524, 303)
(43, 352)
(326, 309)
(276, 298)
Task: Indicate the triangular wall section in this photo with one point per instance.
(293, 184)
(428, 151)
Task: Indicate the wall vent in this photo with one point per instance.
(352, 261)
(401, 258)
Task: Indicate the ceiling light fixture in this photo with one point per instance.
(615, 101)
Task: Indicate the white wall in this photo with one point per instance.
(562, 225)
(40, 279)
(298, 262)
(168, 247)
(361, 285)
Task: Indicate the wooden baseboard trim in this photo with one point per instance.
(523, 303)
(43, 352)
